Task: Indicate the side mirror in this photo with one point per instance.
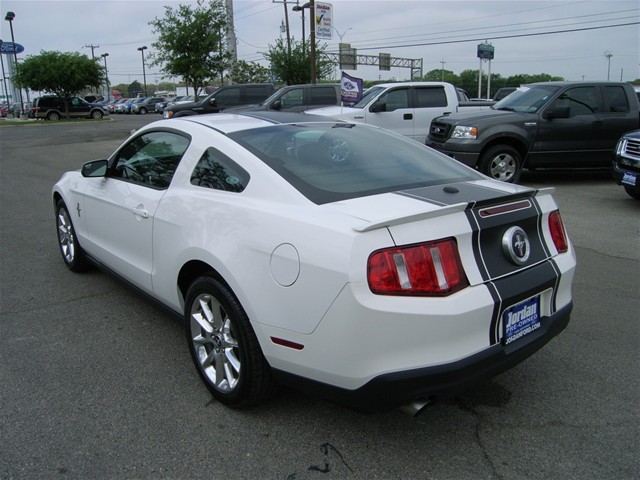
(212, 102)
(557, 112)
(378, 107)
(97, 168)
(277, 105)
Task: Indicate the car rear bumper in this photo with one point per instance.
(391, 390)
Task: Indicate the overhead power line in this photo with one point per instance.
(496, 37)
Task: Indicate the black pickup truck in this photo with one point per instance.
(541, 125)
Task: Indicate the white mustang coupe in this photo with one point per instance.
(338, 258)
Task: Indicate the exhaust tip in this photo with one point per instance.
(416, 407)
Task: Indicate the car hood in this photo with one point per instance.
(485, 115)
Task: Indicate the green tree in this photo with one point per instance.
(439, 75)
(63, 74)
(134, 88)
(248, 72)
(295, 68)
(192, 42)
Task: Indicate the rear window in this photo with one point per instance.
(328, 162)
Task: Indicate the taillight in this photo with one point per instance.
(426, 269)
(558, 235)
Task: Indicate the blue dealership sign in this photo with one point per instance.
(10, 48)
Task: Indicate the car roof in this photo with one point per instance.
(233, 122)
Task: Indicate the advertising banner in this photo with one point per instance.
(350, 88)
(324, 21)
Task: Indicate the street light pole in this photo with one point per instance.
(312, 34)
(300, 8)
(144, 75)
(106, 74)
(10, 16)
(4, 78)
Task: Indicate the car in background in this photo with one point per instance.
(52, 107)
(503, 92)
(127, 107)
(146, 105)
(336, 257)
(119, 107)
(113, 108)
(222, 98)
(160, 106)
(297, 98)
(626, 163)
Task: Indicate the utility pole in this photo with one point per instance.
(92, 47)
(608, 56)
(442, 62)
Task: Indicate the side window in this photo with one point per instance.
(228, 96)
(150, 159)
(293, 98)
(395, 99)
(323, 96)
(257, 94)
(75, 101)
(430, 97)
(616, 99)
(580, 100)
(217, 171)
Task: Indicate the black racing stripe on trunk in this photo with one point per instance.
(494, 332)
(515, 289)
(475, 243)
(462, 192)
(540, 227)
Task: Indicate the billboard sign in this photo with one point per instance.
(324, 21)
(10, 48)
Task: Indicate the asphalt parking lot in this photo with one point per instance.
(96, 382)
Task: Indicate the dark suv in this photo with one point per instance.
(222, 98)
(626, 163)
(297, 98)
(53, 108)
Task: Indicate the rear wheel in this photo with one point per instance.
(503, 163)
(72, 252)
(53, 116)
(223, 345)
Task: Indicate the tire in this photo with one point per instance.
(55, 116)
(502, 162)
(224, 347)
(97, 115)
(631, 192)
(72, 253)
(142, 111)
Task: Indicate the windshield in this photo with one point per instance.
(527, 99)
(328, 162)
(368, 95)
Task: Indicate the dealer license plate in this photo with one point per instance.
(629, 179)
(521, 319)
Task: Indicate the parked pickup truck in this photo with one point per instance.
(541, 125)
(406, 107)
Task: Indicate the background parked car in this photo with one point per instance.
(53, 108)
(146, 105)
(626, 163)
(223, 98)
(297, 98)
(118, 108)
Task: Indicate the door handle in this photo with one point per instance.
(408, 116)
(597, 123)
(140, 211)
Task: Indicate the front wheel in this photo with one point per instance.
(631, 192)
(223, 345)
(97, 114)
(503, 163)
(142, 111)
(72, 252)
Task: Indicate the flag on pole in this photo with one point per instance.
(350, 88)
